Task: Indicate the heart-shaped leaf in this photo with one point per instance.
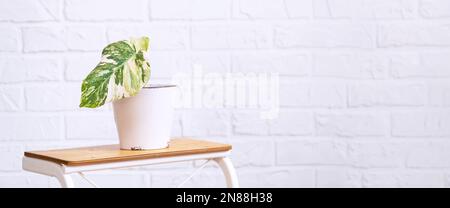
(122, 72)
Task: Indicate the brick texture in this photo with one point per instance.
(364, 87)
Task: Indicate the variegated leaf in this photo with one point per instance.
(122, 72)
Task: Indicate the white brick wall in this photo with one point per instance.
(364, 86)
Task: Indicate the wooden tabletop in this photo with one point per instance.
(112, 153)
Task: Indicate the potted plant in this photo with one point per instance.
(143, 113)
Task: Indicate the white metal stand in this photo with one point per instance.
(63, 173)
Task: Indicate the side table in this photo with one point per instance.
(62, 163)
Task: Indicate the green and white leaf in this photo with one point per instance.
(121, 73)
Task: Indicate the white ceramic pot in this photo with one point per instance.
(144, 121)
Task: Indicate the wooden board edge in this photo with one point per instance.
(141, 157)
(46, 158)
(228, 147)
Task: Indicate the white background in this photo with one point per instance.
(365, 90)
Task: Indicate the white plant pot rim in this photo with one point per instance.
(154, 86)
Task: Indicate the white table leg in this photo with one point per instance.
(228, 171)
(49, 169)
(65, 180)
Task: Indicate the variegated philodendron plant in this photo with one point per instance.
(121, 73)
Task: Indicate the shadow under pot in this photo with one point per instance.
(144, 121)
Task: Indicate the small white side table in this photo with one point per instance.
(63, 163)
